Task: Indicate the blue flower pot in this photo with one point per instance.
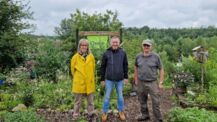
(1, 82)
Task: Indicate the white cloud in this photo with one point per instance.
(154, 13)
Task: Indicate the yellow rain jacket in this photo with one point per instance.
(83, 72)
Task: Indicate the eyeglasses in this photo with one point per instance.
(145, 45)
(84, 45)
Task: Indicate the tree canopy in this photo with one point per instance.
(12, 14)
(83, 21)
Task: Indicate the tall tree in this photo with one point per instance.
(12, 14)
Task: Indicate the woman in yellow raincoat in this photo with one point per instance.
(83, 83)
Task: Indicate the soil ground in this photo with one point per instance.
(132, 110)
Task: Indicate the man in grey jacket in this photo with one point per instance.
(146, 68)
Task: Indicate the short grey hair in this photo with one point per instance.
(115, 37)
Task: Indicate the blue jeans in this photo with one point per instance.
(119, 90)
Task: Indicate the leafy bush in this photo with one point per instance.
(191, 115)
(8, 101)
(55, 96)
(22, 116)
(201, 99)
(50, 60)
(191, 66)
(212, 96)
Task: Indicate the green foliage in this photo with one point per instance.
(12, 40)
(201, 99)
(191, 115)
(41, 94)
(50, 59)
(167, 64)
(212, 96)
(2, 76)
(191, 66)
(24, 116)
(132, 48)
(8, 101)
(27, 98)
(55, 96)
(170, 35)
(208, 99)
(211, 67)
(12, 90)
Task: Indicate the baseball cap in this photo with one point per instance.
(147, 41)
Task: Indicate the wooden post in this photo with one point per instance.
(77, 36)
(202, 76)
(203, 69)
(121, 35)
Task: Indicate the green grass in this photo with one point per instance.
(191, 115)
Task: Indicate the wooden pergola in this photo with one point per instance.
(98, 33)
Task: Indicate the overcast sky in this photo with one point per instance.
(132, 13)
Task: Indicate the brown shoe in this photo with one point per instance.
(122, 116)
(104, 117)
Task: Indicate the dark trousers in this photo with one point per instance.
(151, 88)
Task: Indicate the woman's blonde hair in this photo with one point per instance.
(79, 45)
